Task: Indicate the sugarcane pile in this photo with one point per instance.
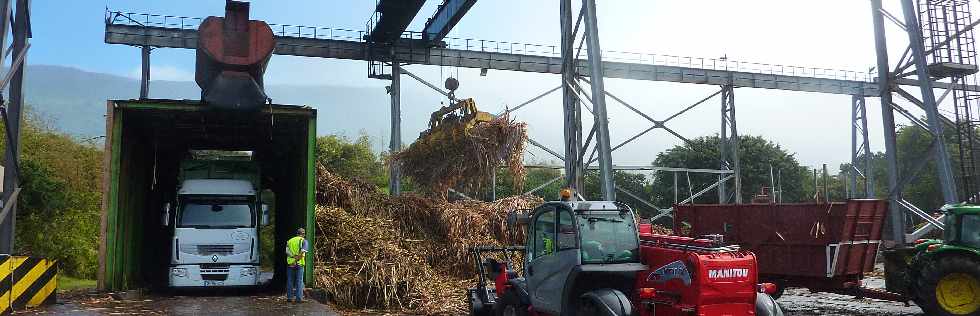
(463, 155)
(409, 253)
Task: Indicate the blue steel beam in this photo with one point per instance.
(447, 16)
(391, 18)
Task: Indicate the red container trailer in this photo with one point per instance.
(821, 246)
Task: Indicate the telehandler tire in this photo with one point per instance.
(510, 305)
(765, 305)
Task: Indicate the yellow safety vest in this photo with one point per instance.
(293, 248)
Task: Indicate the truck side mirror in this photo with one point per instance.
(165, 219)
(265, 214)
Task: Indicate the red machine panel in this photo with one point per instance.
(695, 276)
(826, 245)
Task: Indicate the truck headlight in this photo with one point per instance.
(248, 271)
(179, 272)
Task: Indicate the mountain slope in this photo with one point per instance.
(74, 101)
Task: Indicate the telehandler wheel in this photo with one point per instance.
(765, 305)
(510, 305)
(949, 285)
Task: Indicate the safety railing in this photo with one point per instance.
(490, 46)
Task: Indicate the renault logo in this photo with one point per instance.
(214, 258)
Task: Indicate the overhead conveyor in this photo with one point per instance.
(391, 18)
(447, 15)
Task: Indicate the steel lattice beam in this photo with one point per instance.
(728, 143)
(860, 151)
(355, 50)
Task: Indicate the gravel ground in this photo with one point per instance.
(801, 302)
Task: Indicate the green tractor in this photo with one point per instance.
(943, 275)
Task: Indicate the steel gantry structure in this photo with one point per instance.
(946, 63)
(582, 86)
(15, 22)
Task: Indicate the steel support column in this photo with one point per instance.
(394, 170)
(7, 221)
(145, 72)
(943, 167)
(570, 105)
(860, 151)
(599, 101)
(728, 145)
(21, 33)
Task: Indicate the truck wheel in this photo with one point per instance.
(765, 305)
(509, 305)
(948, 286)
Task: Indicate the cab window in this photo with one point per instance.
(567, 238)
(544, 233)
(608, 238)
(970, 230)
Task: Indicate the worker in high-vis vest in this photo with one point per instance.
(296, 249)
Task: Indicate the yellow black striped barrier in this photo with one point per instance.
(26, 282)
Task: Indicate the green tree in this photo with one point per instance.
(352, 159)
(913, 149)
(60, 199)
(757, 153)
(634, 183)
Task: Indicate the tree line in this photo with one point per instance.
(61, 179)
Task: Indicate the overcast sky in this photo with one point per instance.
(830, 33)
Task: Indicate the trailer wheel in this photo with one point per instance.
(780, 289)
(949, 285)
(510, 305)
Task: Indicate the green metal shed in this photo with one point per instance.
(145, 141)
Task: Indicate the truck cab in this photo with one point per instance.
(215, 222)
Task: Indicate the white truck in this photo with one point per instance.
(215, 222)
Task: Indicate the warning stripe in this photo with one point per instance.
(26, 281)
(35, 287)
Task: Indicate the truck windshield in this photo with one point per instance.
(215, 214)
(608, 237)
(970, 230)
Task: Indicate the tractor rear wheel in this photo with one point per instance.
(949, 285)
(510, 305)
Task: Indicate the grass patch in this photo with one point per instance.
(67, 283)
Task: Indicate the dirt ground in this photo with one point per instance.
(795, 302)
(97, 304)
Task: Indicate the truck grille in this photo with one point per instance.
(214, 270)
(214, 277)
(215, 249)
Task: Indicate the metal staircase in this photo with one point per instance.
(951, 45)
